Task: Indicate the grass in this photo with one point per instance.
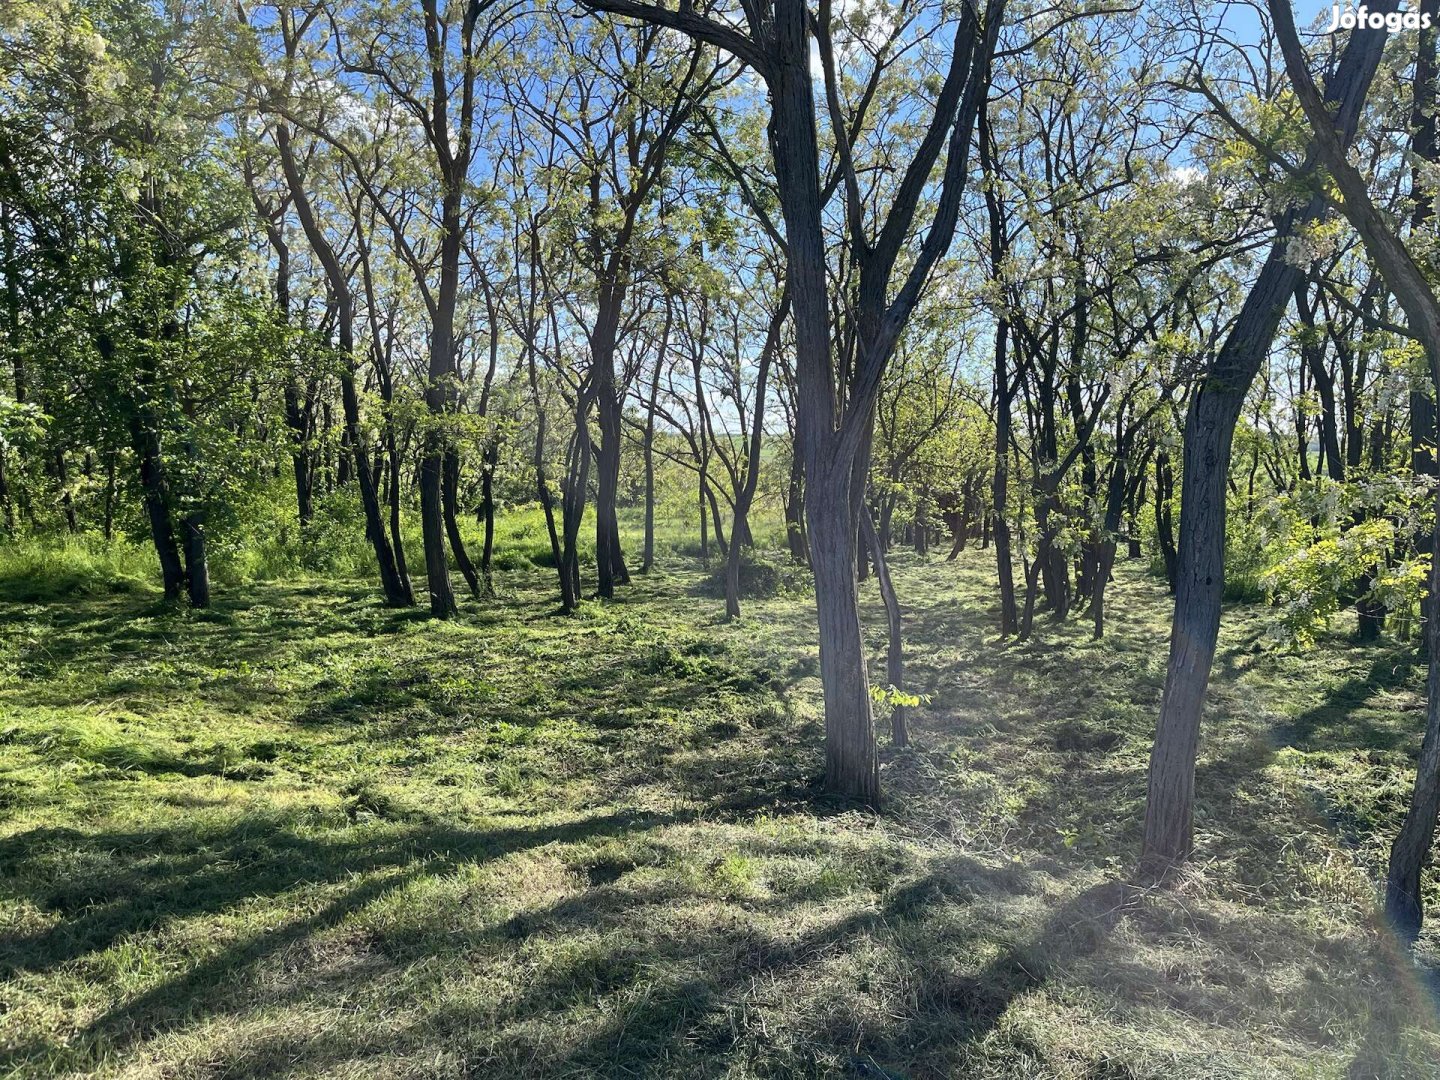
(304, 835)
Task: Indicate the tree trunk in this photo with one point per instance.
(895, 655)
(1165, 518)
(795, 510)
(395, 585)
(572, 509)
(1404, 905)
(851, 766)
(432, 528)
(647, 558)
(110, 491)
(1000, 485)
(197, 569)
(487, 515)
(451, 501)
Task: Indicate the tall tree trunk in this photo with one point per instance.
(1000, 488)
(1410, 852)
(395, 585)
(1209, 428)
(609, 565)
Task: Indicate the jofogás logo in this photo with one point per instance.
(1361, 18)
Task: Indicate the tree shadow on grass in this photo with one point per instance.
(694, 1015)
(1346, 720)
(107, 885)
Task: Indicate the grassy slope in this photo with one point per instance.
(302, 835)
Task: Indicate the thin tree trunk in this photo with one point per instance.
(895, 655)
(449, 491)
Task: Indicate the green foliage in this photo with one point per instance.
(1312, 584)
(52, 569)
(764, 575)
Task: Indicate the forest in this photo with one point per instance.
(778, 538)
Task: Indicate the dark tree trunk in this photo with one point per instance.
(795, 511)
(487, 516)
(1410, 852)
(1000, 487)
(197, 569)
(110, 491)
(155, 495)
(1209, 428)
(402, 572)
(647, 557)
(450, 495)
(299, 427)
(395, 585)
(1104, 555)
(572, 509)
(1312, 352)
(1165, 517)
(609, 565)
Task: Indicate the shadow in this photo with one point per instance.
(1345, 720)
(695, 1015)
(124, 883)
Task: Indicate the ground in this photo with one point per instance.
(304, 835)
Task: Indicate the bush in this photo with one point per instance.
(761, 577)
(42, 569)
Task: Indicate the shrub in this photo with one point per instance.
(761, 577)
(42, 569)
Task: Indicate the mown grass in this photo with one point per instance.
(304, 835)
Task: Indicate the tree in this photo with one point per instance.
(1210, 423)
(840, 362)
